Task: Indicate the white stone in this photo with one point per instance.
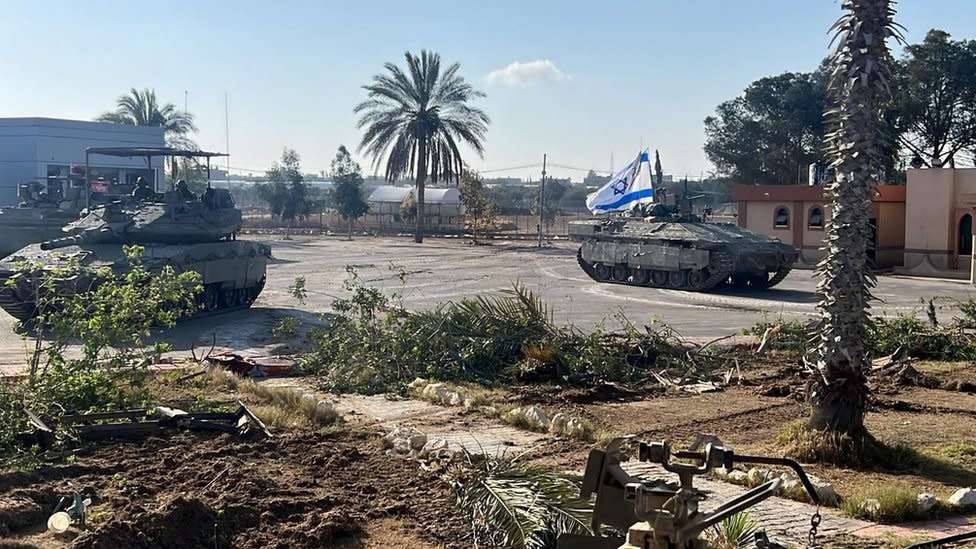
(557, 425)
(536, 418)
(514, 415)
(433, 446)
(963, 496)
(825, 491)
(721, 472)
(401, 445)
(757, 476)
(418, 383)
(738, 477)
(870, 506)
(575, 427)
(417, 441)
(456, 399)
(396, 434)
(926, 502)
(788, 486)
(435, 392)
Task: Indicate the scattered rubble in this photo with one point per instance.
(410, 443)
(251, 366)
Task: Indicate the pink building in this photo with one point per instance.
(939, 222)
(797, 214)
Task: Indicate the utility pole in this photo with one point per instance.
(542, 197)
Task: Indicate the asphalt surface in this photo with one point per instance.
(441, 269)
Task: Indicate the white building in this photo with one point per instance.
(442, 207)
(42, 148)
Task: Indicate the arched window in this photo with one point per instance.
(966, 235)
(816, 219)
(781, 218)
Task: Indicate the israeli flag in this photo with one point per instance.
(631, 185)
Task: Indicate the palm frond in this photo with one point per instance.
(517, 506)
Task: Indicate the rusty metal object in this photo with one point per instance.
(660, 515)
(143, 422)
(679, 252)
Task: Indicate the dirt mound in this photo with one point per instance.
(307, 489)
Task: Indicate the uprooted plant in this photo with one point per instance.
(374, 344)
(109, 323)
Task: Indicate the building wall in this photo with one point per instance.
(758, 205)
(937, 199)
(29, 145)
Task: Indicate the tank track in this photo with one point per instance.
(719, 271)
(779, 276)
(245, 297)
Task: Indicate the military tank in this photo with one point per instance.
(187, 235)
(45, 208)
(677, 250)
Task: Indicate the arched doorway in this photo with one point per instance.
(965, 246)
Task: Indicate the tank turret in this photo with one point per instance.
(185, 235)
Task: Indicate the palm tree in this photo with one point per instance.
(140, 108)
(859, 87)
(416, 120)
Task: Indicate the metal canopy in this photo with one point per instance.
(130, 152)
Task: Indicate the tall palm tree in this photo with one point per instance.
(859, 87)
(416, 120)
(140, 108)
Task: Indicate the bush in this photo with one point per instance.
(375, 345)
(111, 322)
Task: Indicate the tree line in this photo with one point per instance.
(773, 131)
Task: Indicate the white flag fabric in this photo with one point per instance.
(631, 185)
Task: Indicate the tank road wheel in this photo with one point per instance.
(640, 276)
(659, 278)
(697, 279)
(240, 297)
(678, 279)
(209, 299)
(621, 273)
(602, 272)
(740, 281)
(228, 298)
(759, 281)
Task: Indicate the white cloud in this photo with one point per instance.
(540, 71)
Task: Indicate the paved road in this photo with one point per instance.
(444, 269)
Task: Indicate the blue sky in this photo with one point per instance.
(618, 73)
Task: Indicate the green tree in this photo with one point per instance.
(286, 193)
(347, 191)
(935, 89)
(771, 133)
(479, 206)
(141, 108)
(859, 86)
(416, 121)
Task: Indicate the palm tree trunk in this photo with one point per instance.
(839, 390)
(349, 235)
(418, 235)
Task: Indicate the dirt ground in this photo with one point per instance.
(335, 487)
(324, 488)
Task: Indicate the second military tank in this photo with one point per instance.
(187, 235)
(677, 250)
